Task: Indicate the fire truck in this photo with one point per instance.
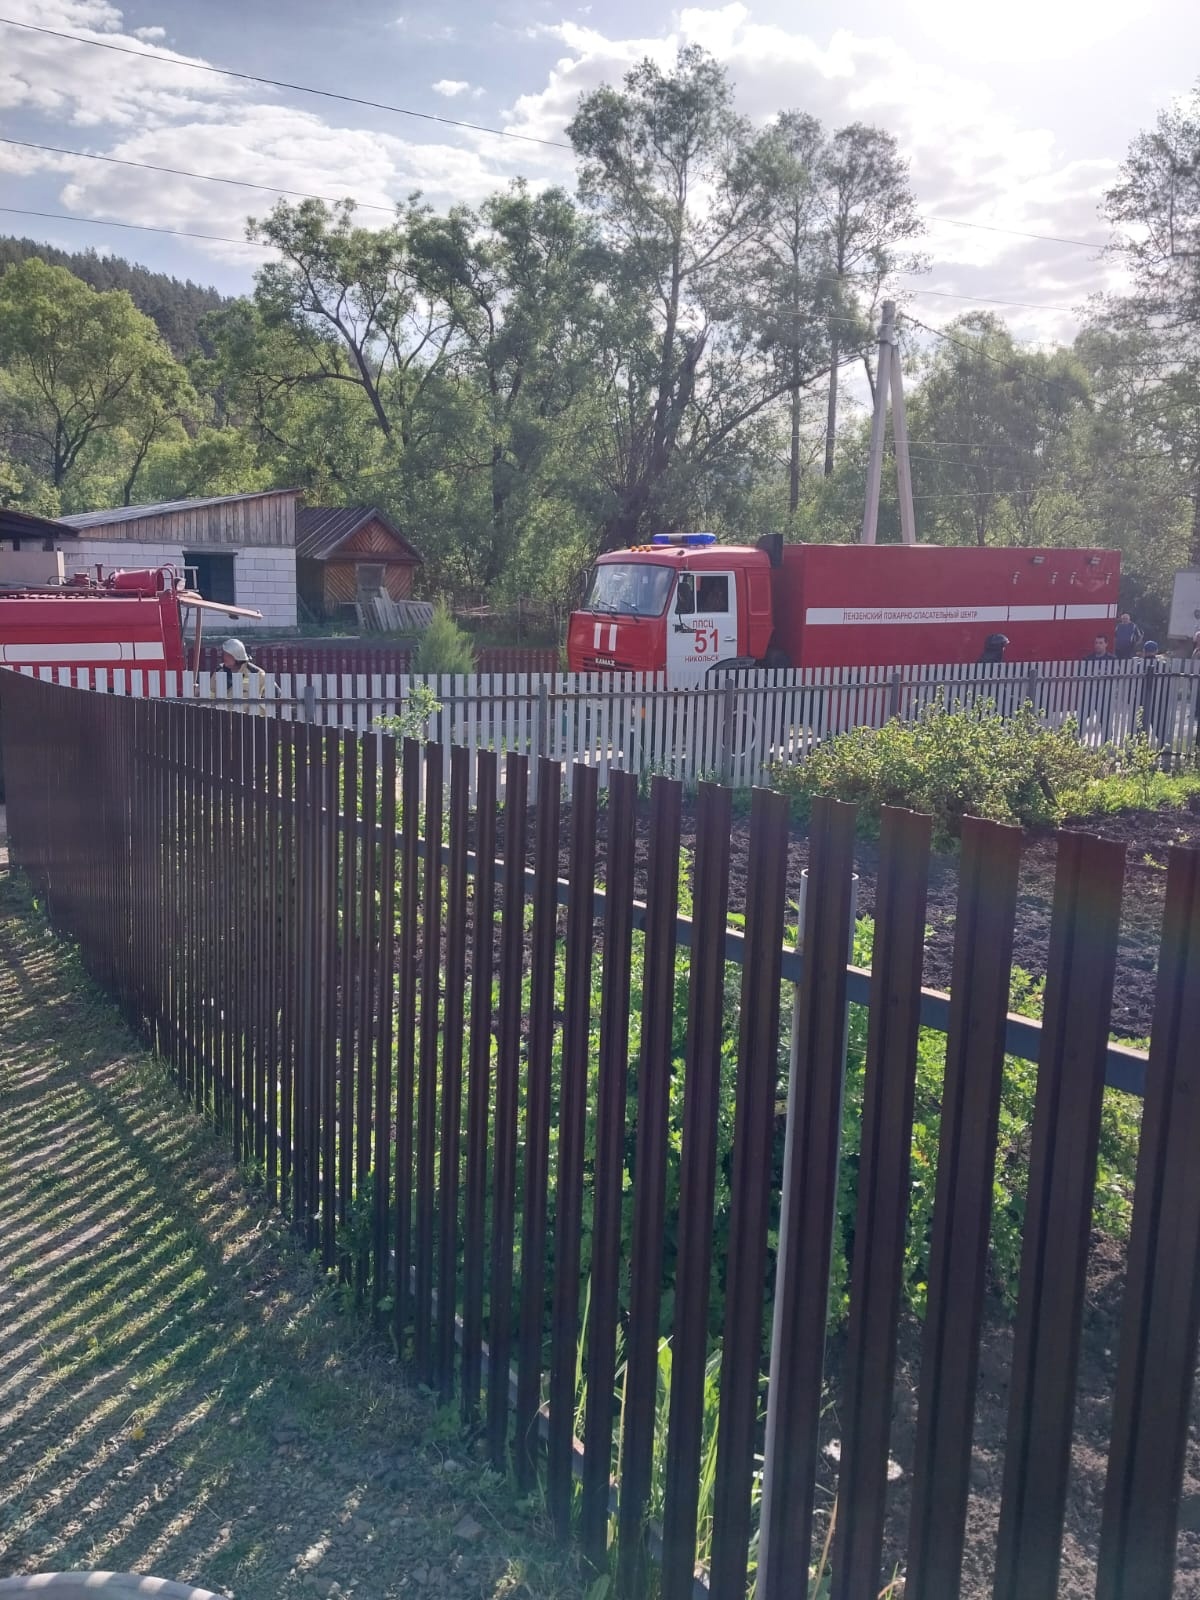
(686, 605)
(123, 621)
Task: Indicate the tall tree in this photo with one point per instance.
(1157, 205)
(798, 294)
(676, 181)
(869, 215)
(76, 366)
(520, 279)
(994, 434)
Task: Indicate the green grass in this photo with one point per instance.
(1157, 791)
(179, 1394)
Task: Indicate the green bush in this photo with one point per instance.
(444, 647)
(413, 718)
(951, 763)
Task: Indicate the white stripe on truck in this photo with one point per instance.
(22, 655)
(892, 616)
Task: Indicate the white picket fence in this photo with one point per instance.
(731, 728)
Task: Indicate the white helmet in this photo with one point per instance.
(236, 649)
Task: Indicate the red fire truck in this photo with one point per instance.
(130, 621)
(686, 604)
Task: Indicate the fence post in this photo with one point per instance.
(542, 748)
(727, 716)
(1031, 683)
(310, 702)
(894, 695)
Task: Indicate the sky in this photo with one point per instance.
(1013, 117)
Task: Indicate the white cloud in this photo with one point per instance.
(969, 157)
(1032, 29)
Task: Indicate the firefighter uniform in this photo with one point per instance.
(244, 688)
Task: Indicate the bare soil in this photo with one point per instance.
(1147, 835)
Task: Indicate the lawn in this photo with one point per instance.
(180, 1393)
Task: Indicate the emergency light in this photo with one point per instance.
(692, 539)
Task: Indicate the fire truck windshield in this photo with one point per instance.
(629, 589)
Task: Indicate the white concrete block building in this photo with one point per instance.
(238, 548)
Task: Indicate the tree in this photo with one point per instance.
(798, 293)
(519, 278)
(677, 182)
(993, 438)
(76, 366)
(1158, 202)
(869, 211)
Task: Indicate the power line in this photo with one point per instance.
(183, 172)
(1016, 233)
(137, 227)
(456, 122)
(217, 238)
(280, 83)
(984, 300)
(368, 205)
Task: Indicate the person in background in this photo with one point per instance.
(1098, 707)
(1195, 655)
(242, 680)
(1126, 637)
(994, 647)
(1153, 720)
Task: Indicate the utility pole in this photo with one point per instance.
(888, 381)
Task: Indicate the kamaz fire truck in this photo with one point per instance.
(685, 605)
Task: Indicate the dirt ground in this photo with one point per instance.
(1148, 835)
(180, 1394)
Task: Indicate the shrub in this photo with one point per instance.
(444, 647)
(951, 763)
(413, 718)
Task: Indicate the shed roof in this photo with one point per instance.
(16, 524)
(102, 519)
(320, 530)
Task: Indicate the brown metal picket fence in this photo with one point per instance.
(421, 1037)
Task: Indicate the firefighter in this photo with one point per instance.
(238, 678)
(1155, 711)
(994, 647)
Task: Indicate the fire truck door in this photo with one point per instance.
(701, 625)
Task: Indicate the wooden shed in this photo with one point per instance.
(347, 555)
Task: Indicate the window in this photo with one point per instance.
(685, 595)
(713, 595)
(629, 589)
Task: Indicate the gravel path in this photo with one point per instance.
(180, 1395)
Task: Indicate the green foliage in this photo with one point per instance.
(86, 381)
(176, 307)
(951, 763)
(444, 647)
(412, 720)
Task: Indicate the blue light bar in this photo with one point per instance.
(699, 538)
(664, 538)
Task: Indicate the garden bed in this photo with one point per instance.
(1148, 835)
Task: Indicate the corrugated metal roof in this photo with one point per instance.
(321, 529)
(162, 508)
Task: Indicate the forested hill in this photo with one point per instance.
(174, 304)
